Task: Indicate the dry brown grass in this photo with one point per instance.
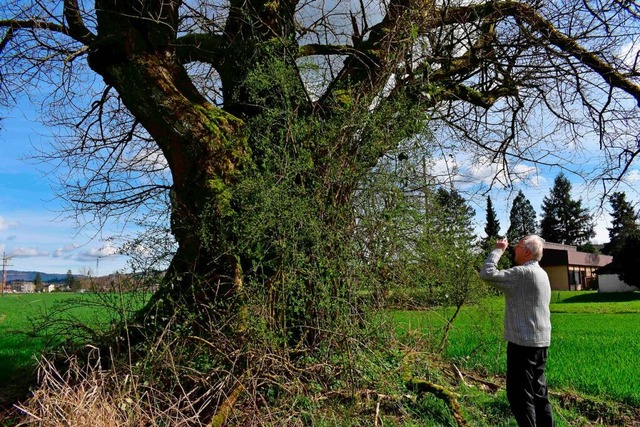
(81, 396)
(84, 395)
(178, 381)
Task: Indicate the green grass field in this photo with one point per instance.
(594, 344)
(593, 352)
(52, 316)
(17, 312)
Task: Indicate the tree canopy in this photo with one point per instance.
(627, 259)
(565, 220)
(522, 218)
(249, 130)
(624, 238)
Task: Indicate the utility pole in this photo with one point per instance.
(5, 259)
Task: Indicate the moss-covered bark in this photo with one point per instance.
(205, 147)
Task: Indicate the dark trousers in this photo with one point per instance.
(527, 385)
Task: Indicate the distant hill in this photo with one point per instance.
(29, 276)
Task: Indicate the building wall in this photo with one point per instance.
(23, 287)
(612, 283)
(581, 277)
(558, 277)
(570, 269)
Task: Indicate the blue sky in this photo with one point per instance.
(38, 236)
(34, 231)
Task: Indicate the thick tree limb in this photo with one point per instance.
(323, 49)
(206, 48)
(77, 29)
(484, 99)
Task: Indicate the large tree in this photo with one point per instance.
(211, 106)
(522, 218)
(565, 220)
(624, 221)
(624, 238)
(627, 259)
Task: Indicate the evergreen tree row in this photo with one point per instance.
(566, 221)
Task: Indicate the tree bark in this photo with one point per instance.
(205, 148)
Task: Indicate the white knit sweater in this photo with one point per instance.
(527, 292)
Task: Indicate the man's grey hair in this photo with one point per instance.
(535, 245)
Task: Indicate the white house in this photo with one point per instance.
(608, 281)
(24, 287)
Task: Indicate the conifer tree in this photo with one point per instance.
(624, 239)
(491, 228)
(37, 281)
(565, 220)
(627, 259)
(625, 221)
(522, 218)
(457, 213)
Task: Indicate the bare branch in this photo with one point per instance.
(36, 24)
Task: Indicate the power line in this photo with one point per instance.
(5, 260)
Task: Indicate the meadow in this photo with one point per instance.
(593, 352)
(30, 323)
(594, 349)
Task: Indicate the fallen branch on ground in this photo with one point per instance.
(424, 386)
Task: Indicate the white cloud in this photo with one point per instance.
(107, 250)
(25, 252)
(629, 54)
(633, 176)
(60, 252)
(482, 172)
(5, 224)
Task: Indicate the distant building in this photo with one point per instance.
(49, 288)
(608, 281)
(569, 269)
(23, 287)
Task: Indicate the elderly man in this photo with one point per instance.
(527, 328)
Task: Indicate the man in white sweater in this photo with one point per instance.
(527, 328)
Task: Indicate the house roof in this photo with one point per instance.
(575, 257)
(607, 269)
